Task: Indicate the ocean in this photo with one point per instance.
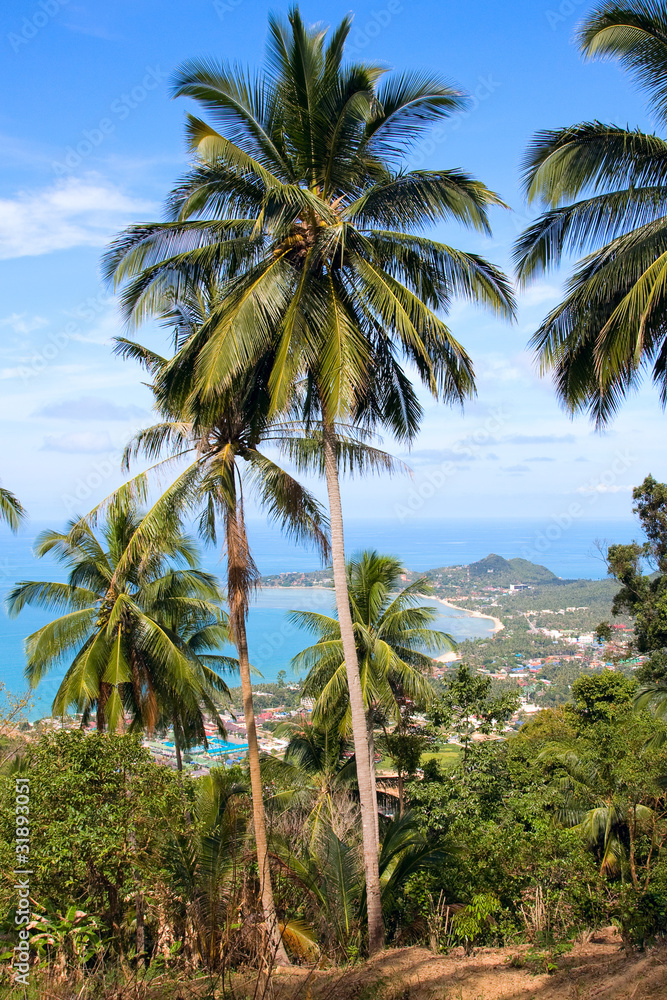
(569, 550)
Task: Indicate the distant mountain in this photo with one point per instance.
(491, 571)
(506, 571)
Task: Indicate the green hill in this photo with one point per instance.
(493, 570)
(506, 571)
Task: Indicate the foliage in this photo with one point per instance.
(68, 941)
(393, 640)
(602, 189)
(102, 808)
(316, 772)
(142, 623)
(12, 511)
(467, 707)
(469, 922)
(331, 871)
(600, 697)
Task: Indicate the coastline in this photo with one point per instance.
(497, 624)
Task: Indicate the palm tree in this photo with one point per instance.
(11, 510)
(600, 805)
(201, 632)
(391, 632)
(603, 188)
(331, 871)
(300, 201)
(220, 440)
(118, 625)
(205, 859)
(317, 767)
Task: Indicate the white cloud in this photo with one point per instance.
(499, 369)
(73, 212)
(536, 295)
(87, 442)
(20, 323)
(89, 408)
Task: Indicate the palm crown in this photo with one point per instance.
(604, 188)
(144, 631)
(393, 641)
(12, 511)
(299, 203)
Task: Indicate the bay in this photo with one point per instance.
(568, 551)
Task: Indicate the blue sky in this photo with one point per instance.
(90, 141)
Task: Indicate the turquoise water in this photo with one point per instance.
(216, 747)
(273, 640)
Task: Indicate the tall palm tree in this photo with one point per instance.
(220, 439)
(300, 201)
(118, 626)
(392, 641)
(12, 511)
(603, 188)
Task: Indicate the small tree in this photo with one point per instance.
(644, 594)
(468, 707)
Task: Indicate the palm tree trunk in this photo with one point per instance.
(177, 742)
(359, 731)
(632, 829)
(371, 761)
(237, 571)
(100, 711)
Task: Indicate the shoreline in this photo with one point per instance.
(497, 624)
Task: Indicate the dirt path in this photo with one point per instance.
(597, 970)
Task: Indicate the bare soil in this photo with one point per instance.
(596, 970)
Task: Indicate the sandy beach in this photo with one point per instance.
(497, 624)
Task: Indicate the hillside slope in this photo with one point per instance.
(592, 971)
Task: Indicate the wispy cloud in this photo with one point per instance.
(85, 443)
(71, 213)
(21, 323)
(538, 439)
(538, 294)
(496, 368)
(89, 408)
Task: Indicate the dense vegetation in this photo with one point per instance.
(302, 294)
